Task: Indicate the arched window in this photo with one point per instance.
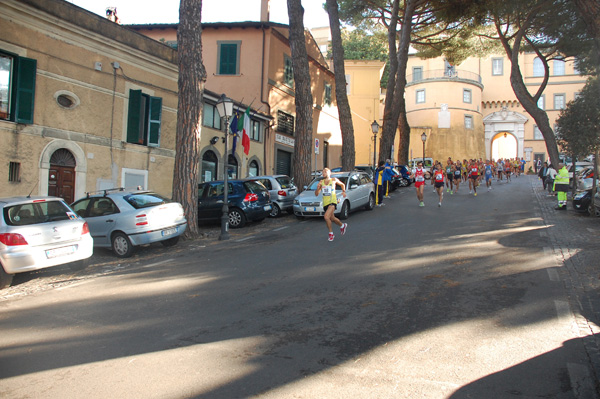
(209, 167)
(253, 169)
(232, 170)
(63, 157)
(538, 67)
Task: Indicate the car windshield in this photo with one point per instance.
(145, 200)
(285, 182)
(254, 187)
(39, 211)
(313, 185)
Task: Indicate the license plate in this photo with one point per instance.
(168, 232)
(310, 209)
(62, 251)
(267, 207)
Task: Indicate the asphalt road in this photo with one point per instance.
(462, 301)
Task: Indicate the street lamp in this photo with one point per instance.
(423, 139)
(375, 130)
(225, 110)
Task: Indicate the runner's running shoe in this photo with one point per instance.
(331, 236)
(343, 228)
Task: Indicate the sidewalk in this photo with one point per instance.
(575, 239)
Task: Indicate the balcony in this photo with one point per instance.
(444, 75)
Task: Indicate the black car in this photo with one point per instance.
(247, 200)
(582, 200)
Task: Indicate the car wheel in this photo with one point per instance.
(170, 242)
(404, 182)
(121, 245)
(237, 218)
(371, 204)
(345, 211)
(275, 211)
(5, 278)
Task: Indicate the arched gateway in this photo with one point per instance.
(504, 129)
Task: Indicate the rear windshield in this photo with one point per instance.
(285, 182)
(37, 212)
(145, 200)
(254, 187)
(313, 185)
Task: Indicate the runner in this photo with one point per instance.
(473, 176)
(507, 170)
(489, 173)
(457, 175)
(499, 169)
(327, 185)
(464, 170)
(438, 178)
(420, 182)
(449, 176)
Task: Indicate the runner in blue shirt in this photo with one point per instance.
(489, 173)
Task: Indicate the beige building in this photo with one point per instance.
(85, 104)
(251, 63)
(471, 111)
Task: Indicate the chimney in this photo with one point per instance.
(265, 9)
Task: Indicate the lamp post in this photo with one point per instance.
(423, 139)
(375, 130)
(225, 110)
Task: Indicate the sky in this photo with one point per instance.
(167, 11)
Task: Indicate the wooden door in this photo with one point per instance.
(61, 182)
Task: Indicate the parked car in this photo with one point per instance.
(368, 169)
(281, 190)
(402, 177)
(123, 219)
(585, 178)
(360, 193)
(579, 166)
(247, 201)
(40, 232)
(582, 200)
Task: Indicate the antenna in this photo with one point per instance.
(29, 195)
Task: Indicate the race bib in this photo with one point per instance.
(420, 178)
(327, 191)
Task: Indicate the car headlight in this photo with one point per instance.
(296, 202)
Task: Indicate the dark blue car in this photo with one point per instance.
(247, 200)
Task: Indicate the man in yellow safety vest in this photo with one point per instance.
(561, 186)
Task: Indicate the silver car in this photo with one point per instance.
(282, 192)
(360, 193)
(122, 219)
(39, 232)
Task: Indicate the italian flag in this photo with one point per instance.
(246, 133)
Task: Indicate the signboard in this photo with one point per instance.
(284, 140)
(316, 146)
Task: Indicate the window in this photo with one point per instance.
(497, 66)
(209, 167)
(328, 93)
(144, 119)
(420, 96)
(227, 58)
(467, 96)
(253, 169)
(559, 101)
(134, 178)
(14, 172)
(559, 67)
(255, 130)
(211, 117)
(468, 122)
(417, 74)
(232, 167)
(17, 88)
(538, 67)
(288, 71)
(537, 133)
(542, 102)
(285, 123)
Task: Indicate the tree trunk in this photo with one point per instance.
(389, 122)
(341, 96)
(528, 101)
(192, 77)
(398, 107)
(304, 102)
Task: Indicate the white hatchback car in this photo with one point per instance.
(123, 219)
(40, 232)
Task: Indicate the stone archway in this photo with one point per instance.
(504, 145)
(510, 122)
(80, 166)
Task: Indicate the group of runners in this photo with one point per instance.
(472, 171)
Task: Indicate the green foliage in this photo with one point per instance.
(578, 126)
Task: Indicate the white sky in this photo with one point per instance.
(167, 11)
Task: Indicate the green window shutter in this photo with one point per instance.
(135, 118)
(228, 60)
(154, 121)
(25, 90)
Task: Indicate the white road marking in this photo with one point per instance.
(244, 239)
(158, 263)
(281, 228)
